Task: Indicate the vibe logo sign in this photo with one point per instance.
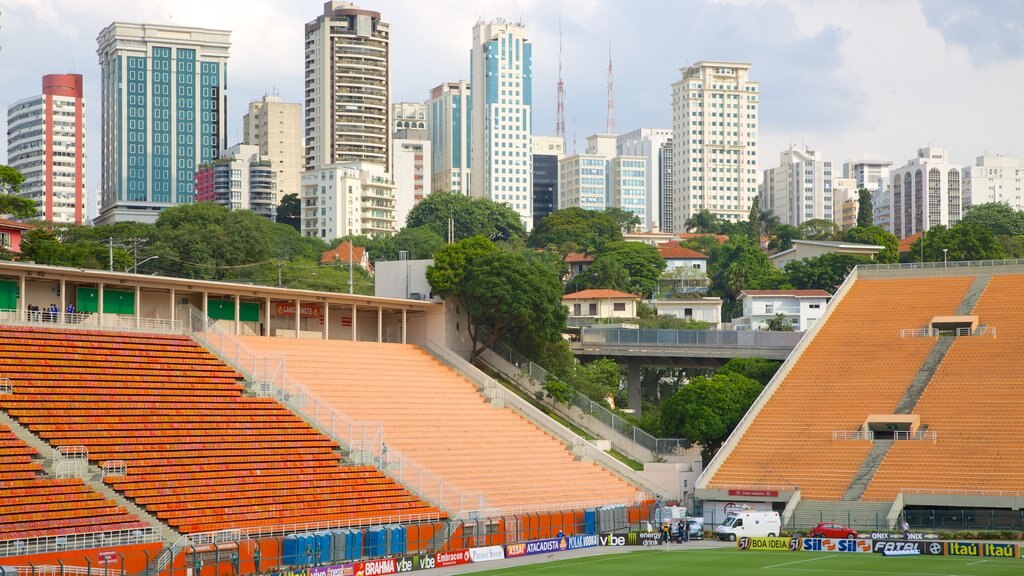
(611, 540)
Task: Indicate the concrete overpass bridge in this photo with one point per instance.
(679, 349)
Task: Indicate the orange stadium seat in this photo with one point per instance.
(200, 455)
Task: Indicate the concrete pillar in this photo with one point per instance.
(266, 317)
(138, 307)
(633, 380)
(355, 315)
(380, 323)
(298, 316)
(174, 306)
(23, 304)
(99, 305)
(206, 303)
(63, 302)
(238, 314)
(404, 318)
(327, 321)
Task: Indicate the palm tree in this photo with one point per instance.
(703, 222)
(769, 222)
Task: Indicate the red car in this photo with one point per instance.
(832, 530)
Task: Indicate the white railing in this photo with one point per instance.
(78, 541)
(71, 461)
(90, 321)
(270, 531)
(908, 435)
(115, 468)
(853, 435)
(948, 264)
(5, 386)
(533, 414)
(933, 332)
(624, 428)
(365, 440)
(35, 570)
(168, 554)
(951, 492)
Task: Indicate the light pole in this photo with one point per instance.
(135, 265)
(944, 250)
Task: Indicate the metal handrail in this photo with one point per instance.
(620, 425)
(950, 492)
(5, 386)
(90, 321)
(948, 264)
(703, 338)
(77, 541)
(932, 332)
(853, 435)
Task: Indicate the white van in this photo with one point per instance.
(749, 523)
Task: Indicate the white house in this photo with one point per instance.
(813, 248)
(596, 304)
(702, 309)
(685, 270)
(802, 308)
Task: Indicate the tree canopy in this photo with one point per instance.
(1000, 218)
(757, 369)
(704, 222)
(471, 217)
(641, 263)
(741, 264)
(289, 211)
(707, 409)
(819, 229)
(626, 220)
(865, 211)
(784, 236)
(965, 241)
(877, 236)
(575, 229)
(826, 272)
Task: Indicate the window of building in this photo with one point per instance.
(619, 306)
(769, 308)
(593, 309)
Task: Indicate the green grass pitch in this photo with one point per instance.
(732, 562)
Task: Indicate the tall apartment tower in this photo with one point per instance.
(868, 173)
(650, 143)
(926, 192)
(994, 179)
(348, 87)
(46, 143)
(164, 99)
(714, 141)
(275, 127)
(502, 115)
(800, 188)
(547, 151)
(449, 129)
(600, 178)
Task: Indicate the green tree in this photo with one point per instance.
(575, 229)
(707, 409)
(289, 211)
(11, 205)
(447, 276)
(470, 217)
(642, 262)
(1000, 218)
(784, 236)
(703, 222)
(769, 222)
(965, 241)
(820, 229)
(779, 323)
(44, 245)
(877, 236)
(598, 380)
(742, 265)
(757, 369)
(826, 272)
(754, 217)
(626, 220)
(307, 275)
(865, 211)
(10, 180)
(504, 294)
(610, 274)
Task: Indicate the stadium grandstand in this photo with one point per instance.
(142, 430)
(904, 398)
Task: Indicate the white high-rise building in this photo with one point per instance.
(352, 198)
(651, 144)
(800, 188)
(411, 161)
(994, 179)
(881, 206)
(164, 99)
(502, 116)
(46, 143)
(714, 141)
(867, 173)
(600, 178)
(241, 179)
(926, 192)
(409, 120)
(448, 127)
(275, 127)
(348, 87)
(845, 202)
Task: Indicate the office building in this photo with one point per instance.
(867, 173)
(502, 116)
(241, 179)
(342, 199)
(275, 127)
(347, 87)
(410, 159)
(714, 141)
(46, 143)
(409, 120)
(164, 101)
(993, 179)
(448, 125)
(654, 145)
(846, 202)
(926, 192)
(800, 188)
(600, 179)
(881, 207)
(547, 151)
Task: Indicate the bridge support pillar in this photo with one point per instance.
(633, 381)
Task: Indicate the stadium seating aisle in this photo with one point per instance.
(33, 506)
(974, 404)
(439, 419)
(199, 454)
(856, 365)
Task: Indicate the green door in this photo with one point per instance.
(88, 300)
(119, 302)
(8, 295)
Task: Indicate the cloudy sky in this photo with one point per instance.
(852, 78)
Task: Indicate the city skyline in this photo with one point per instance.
(852, 79)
